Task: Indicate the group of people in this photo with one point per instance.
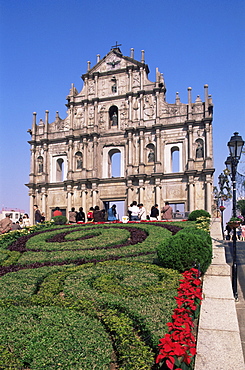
(240, 232)
(137, 212)
(95, 214)
(6, 224)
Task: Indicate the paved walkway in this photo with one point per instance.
(219, 344)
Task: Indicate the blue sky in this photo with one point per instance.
(45, 46)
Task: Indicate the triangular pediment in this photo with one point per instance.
(114, 61)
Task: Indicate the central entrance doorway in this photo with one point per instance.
(120, 204)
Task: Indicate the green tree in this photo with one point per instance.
(241, 206)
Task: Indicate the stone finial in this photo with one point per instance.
(132, 53)
(142, 56)
(34, 119)
(98, 58)
(46, 116)
(177, 98)
(189, 95)
(206, 92)
(88, 63)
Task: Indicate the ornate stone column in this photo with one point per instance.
(44, 198)
(190, 146)
(94, 194)
(84, 196)
(141, 151)
(158, 193)
(69, 198)
(208, 195)
(191, 185)
(158, 150)
(141, 191)
(70, 159)
(85, 149)
(95, 158)
(32, 200)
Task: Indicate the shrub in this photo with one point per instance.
(185, 250)
(200, 232)
(60, 220)
(198, 213)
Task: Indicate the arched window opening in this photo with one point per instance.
(60, 170)
(199, 149)
(114, 165)
(79, 160)
(40, 164)
(175, 159)
(113, 116)
(150, 153)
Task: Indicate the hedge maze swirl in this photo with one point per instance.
(85, 297)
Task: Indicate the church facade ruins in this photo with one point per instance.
(163, 151)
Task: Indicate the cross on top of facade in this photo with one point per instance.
(116, 46)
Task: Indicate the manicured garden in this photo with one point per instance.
(96, 296)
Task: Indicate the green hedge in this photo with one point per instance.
(186, 249)
(198, 213)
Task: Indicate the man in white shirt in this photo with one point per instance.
(134, 209)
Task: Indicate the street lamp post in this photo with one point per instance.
(222, 181)
(235, 146)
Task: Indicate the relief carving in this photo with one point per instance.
(149, 107)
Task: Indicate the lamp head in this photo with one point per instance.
(235, 146)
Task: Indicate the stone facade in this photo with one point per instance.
(119, 111)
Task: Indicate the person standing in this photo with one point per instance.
(112, 213)
(167, 212)
(26, 221)
(72, 216)
(142, 212)
(37, 214)
(134, 209)
(154, 213)
(90, 214)
(80, 215)
(57, 212)
(5, 224)
(99, 215)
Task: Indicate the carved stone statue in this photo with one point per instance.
(151, 156)
(114, 119)
(199, 150)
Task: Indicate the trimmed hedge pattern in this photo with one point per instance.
(85, 297)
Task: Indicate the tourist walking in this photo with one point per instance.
(167, 212)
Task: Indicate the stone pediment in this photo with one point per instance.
(114, 61)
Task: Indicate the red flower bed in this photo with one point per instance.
(178, 348)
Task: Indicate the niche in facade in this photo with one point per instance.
(79, 161)
(150, 153)
(199, 149)
(113, 116)
(40, 164)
